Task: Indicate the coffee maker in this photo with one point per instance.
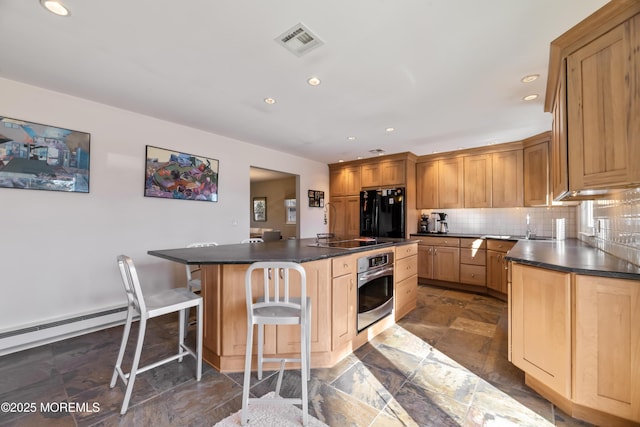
(442, 226)
(423, 224)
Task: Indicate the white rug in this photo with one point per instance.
(271, 416)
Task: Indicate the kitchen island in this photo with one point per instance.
(574, 312)
(331, 285)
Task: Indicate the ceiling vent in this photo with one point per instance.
(299, 40)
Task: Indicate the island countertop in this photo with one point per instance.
(247, 253)
(572, 255)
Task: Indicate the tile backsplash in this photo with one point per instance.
(510, 221)
(613, 224)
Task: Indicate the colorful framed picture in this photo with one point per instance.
(175, 175)
(316, 199)
(35, 156)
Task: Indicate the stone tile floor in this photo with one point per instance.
(444, 364)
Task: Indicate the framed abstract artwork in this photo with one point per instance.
(175, 175)
(36, 156)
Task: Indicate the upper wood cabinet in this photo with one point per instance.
(559, 160)
(383, 173)
(602, 106)
(344, 181)
(450, 183)
(507, 179)
(536, 174)
(477, 181)
(603, 80)
(427, 190)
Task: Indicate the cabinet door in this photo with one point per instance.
(559, 160)
(344, 181)
(343, 303)
(536, 175)
(337, 211)
(477, 181)
(607, 358)
(446, 264)
(603, 84)
(495, 273)
(393, 172)
(425, 261)
(507, 179)
(371, 175)
(405, 296)
(541, 325)
(427, 178)
(288, 336)
(450, 183)
(352, 213)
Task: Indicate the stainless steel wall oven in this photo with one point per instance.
(375, 288)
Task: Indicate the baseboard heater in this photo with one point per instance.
(33, 336)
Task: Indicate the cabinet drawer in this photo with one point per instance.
(500, 245)
(343, 265)
(405, 267)
(473, 274)
(439, 241)
(406, 250)
(406, 295)
(473, 256)
(473, 243)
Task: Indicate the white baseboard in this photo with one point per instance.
(57, 331)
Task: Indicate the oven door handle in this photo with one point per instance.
(365, 277)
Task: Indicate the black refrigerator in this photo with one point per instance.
(382, 213)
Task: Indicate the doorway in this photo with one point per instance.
(274, 203)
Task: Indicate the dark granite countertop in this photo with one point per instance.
(247, 253)
(572, 255)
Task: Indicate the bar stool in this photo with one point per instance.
(194, 283)
(277, 307)
(158, 304)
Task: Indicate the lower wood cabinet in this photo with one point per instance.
(541, 325)
(406, 279)
(473, 262)
(497, 266)
(577, 339)
(344, 296)
(607, 345)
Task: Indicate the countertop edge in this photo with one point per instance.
(572, 256)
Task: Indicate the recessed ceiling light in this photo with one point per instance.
(377, 151)
(359, 157)
(340, 161)
(531, 97)
(56, 7)
(530, 78)
(313, 81)
(351, 138)
(390, 129)
(270, 101)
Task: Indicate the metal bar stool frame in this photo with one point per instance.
(154, 305)
(276, 307)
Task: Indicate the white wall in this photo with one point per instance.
(58, 250)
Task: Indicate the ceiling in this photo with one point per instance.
(444, 74)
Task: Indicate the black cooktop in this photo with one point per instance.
(346, 244)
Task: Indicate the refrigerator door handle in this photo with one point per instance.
(376, 210)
